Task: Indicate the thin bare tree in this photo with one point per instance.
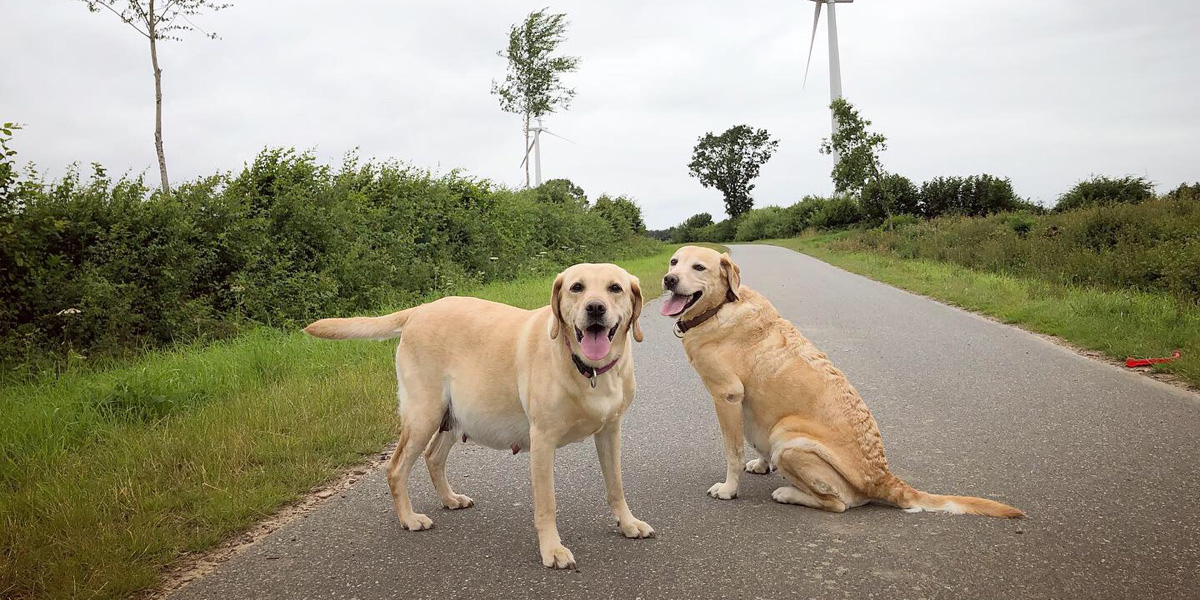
(532, 88)
(158, 20)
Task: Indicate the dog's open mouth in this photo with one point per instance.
(677, 303)
(596, 340)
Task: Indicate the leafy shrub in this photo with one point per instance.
(623, 214)
(899, 221)
(96, 266)
(761, 223)
(721, 232)
(837, 213)
(973, 196)
(1021, 223)
(1099, 190)
(1185, 192)
(686, 231)
(894, 194)
(1152, 246)
(561, 191)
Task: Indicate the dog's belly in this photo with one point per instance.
(494, 430)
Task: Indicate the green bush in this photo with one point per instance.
(899, 221)
(761, 223)
(1099, 190)
(837, 213)
(101, 267)
(717, 233)
(894, 194)
(1185, 192)
(1153, 246)
(686, 231)
(973, 196)
(623, 214)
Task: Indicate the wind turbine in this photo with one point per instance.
(835, 65)
(536, 147)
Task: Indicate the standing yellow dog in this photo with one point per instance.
(514, 379)
(799, 412)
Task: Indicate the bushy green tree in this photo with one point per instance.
(622, 213)
(857, 149)
(1100, 190)
(972, 196)
(686, 231)
(837, 213)
(533, 85)
(1185, 192)
(561, 191)
(894, 192)
(730, 162)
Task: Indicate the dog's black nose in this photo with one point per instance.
(670, 281)
(596, 307)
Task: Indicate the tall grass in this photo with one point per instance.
(108, 477)
(1117, 322)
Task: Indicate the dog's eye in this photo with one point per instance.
(577, 287)
(674, 261)
(698, 267)
(614, 288)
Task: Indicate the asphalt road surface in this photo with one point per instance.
(1106, 464)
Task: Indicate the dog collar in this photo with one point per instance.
(682, 327)
(589, 372)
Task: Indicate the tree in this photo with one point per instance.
(1100, 190)
(158, 20)
(894, 194)
(623, 214)
(973, 196)
(561, 191)
(857, 150)
(532, 87)
(730, 161)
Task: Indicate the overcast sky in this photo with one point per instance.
(1043, 92)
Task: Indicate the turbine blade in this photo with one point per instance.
(556, 135)
(528, 150)
(811, 41)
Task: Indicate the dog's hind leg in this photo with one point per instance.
(435, 459)
(422, 409)
(816, 483)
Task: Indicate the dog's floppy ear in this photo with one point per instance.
(635, 288)
(732, 274)
(555, 309)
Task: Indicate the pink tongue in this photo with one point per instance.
(674, 304)
(595, 344)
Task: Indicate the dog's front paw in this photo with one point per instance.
(416, 522)
(635, 528)
(758, 466)
(723, 491)
(557, 556)
(457, 501)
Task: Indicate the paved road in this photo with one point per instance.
(1105, 463)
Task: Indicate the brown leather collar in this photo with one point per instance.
(682, 327)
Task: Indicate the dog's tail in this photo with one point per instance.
(895, 491)
(377, 328)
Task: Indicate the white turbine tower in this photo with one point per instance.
(835, 65)
(536, 147)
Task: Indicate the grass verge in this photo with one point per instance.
(108, 477)
(1118, 324)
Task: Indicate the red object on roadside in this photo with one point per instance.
(1145, 362)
